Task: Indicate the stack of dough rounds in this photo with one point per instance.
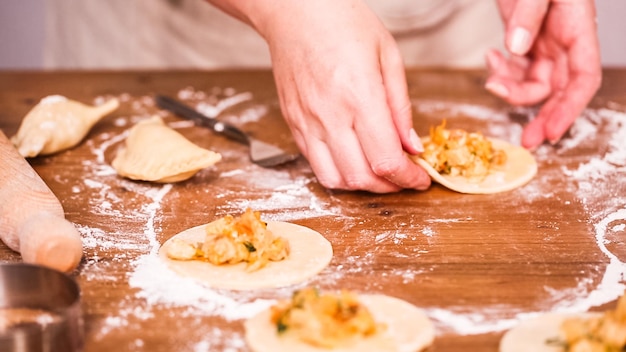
(155, 152)
(56, 124)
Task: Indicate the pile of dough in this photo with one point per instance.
(407, 329)
(56, 124)
(155, 152)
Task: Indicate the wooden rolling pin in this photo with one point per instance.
(32, 220)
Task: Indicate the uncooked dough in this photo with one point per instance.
(155, 152)
(57, 123)
(532, 334)
(408, 329)
(309, 254)
(519, 168)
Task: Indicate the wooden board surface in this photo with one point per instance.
(476, 264)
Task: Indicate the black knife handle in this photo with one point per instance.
(200, 119)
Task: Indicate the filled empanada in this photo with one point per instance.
(57, 123)
(155, 152)
(309, 252)
(469, 162)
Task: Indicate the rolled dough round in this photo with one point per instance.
(532, 334)
(309, 254)
(408, 330)
(519, 168)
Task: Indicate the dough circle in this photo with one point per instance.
(519, 169)
(532, 334)
(408, 330)
(309, 254)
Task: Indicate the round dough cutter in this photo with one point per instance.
(39, 310)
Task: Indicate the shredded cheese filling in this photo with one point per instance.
(324, 320)
(232, 240)
(457, 152)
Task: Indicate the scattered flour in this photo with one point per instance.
(213, 110)
(593, 178)
(157, 286)
(160, 285)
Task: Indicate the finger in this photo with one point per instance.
(558, 114)
(578, 76)
(382, 147)
(323, 165)
(533, 89)
(514, 67)
(502, 69)
(570, 104)
(534, 132)
(394, 81)
(584, 73)
(506, 8)
(524, 24)
(354, 168)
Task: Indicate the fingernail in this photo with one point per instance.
(497, 89)
(554, 141)
(520, 41)
(416, 141)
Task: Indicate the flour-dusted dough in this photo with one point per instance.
(408, 329)
(532, 334)
(309, 254)
(57, 123)
(155, 152)
(520, 167)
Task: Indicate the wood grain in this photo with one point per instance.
(460, 257)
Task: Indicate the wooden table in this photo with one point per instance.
(477, 264)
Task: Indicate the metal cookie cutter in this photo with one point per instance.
(39, 310)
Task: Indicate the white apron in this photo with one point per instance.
(162, 34)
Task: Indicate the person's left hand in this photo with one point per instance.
(555, 59)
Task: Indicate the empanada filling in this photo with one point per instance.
(232, 240)
(324, 320)
(457, 152)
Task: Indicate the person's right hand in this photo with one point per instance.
(342, 89)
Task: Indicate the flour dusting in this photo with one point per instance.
(284, 195)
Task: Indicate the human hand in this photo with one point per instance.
(554, 59)
(343, 93)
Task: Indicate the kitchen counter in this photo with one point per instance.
(476, 264)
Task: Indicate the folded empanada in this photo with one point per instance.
(155, 152)
(57, 123)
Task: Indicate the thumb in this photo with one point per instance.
(524, 24)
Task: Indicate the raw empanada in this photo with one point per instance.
(155, 152)
(469, 162)
(310, 253)
(57, 123)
